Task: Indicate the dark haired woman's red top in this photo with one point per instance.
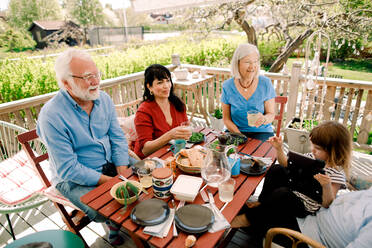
(150, 123)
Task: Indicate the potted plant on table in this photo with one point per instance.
(298, 136)
(216, 120)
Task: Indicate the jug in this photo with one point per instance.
(216, 167)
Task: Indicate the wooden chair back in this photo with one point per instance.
(296, 237)
(282, 100)
(76, 219)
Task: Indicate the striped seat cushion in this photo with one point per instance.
(18, 180)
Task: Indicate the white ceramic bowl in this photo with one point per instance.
(181, 74)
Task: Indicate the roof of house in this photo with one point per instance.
(168, 5)
(48, 25)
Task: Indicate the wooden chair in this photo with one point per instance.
(14, 161)
(296, 237)
(76, 219)
(282, 100)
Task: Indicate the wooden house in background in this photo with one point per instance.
(42, 29)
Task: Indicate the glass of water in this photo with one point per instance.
(145, 177)
(253, 116)
(226, 190)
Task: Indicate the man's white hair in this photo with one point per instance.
(62, 65)
(240, 52)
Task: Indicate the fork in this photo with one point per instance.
(125, 180)
(204, 196)
(175, 233)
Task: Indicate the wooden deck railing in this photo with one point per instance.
(354, 98)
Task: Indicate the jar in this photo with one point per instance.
(176, 59)
(162, 181)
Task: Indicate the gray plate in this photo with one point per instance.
(141, 164)
(150, 212)
(246, 168)
(194, 218)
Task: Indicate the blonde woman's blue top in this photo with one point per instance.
(239, 106)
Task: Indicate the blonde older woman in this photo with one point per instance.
(247, 90)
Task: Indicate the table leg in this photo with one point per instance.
(137, 241)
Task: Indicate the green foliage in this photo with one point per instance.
(269, 51)
(23, 12)
(86, 12)
(217, 113)
(342, 49)
(16, 41)
(364, 65)
(25, 78)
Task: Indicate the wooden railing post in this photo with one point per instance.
(366, 125)
(294, 85)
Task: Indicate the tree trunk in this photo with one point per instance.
(248, 29)
(283, 57)
(250, 32)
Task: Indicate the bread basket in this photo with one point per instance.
(186, 168)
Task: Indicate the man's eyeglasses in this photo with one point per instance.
(89, 77)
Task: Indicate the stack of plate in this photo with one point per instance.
(150, 212)
(194, 218)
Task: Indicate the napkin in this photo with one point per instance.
(161, 230)
(220, 222)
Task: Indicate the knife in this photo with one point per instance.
(213, 206)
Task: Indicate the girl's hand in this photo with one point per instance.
(276, 142)
(180, 132)
(324, 180)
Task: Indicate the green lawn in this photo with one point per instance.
(350, 69)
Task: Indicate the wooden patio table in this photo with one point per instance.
(101, 200)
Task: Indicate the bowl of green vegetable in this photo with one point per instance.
(196, 138)
(126, 192)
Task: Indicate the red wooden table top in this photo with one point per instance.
(101, 200)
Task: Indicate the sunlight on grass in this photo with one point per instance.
(343, 69)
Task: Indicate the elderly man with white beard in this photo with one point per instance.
(79, 127)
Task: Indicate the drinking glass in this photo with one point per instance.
(253, 116)
(145, 177)
(226, 190)
(188, 125)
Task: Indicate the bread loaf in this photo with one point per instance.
(196, 157)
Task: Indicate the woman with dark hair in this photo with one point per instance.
(161, 113)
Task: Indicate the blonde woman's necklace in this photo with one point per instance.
(245, 88)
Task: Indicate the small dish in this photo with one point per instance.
(236, 139)
(194, 218)
(145, 163)
(246, 167)
(130, 200)
(186, 188)
(196, 138)
(150, 212)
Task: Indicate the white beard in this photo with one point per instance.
(85, 95)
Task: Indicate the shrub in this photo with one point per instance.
(25, 77)
(16, 41)
(269, 51)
